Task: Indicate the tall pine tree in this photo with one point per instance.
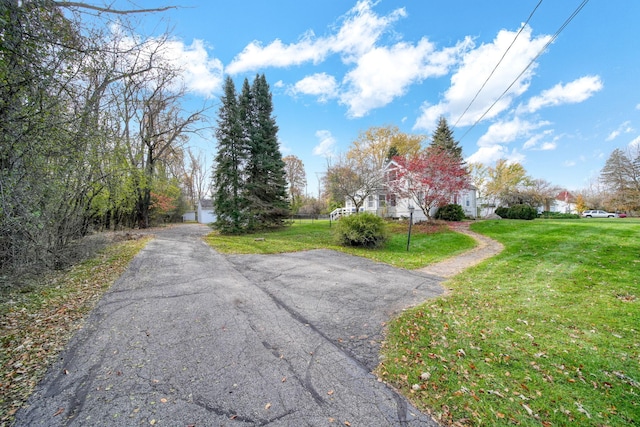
(266, 180)
(443, 138)
(229, 202)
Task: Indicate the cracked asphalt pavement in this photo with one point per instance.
(189, 337)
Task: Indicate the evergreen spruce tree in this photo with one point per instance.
(229, 201)
(266, 181)
(443, 138)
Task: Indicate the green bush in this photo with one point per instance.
(502, 212)
(365, 229)
(558, 215)
(522, 212)
(451, 212)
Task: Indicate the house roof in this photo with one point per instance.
(565, 196)
(206, 203)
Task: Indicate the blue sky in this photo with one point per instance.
(337, 68)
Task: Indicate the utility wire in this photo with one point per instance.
(498, 64)
(553, 38)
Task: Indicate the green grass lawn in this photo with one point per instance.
(546, 333)
(427, 245)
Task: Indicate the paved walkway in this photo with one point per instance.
(450, 267)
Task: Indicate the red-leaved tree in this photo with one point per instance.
(429, 179)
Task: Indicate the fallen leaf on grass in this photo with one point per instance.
(581, 409)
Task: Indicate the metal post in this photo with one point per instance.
(410, 223)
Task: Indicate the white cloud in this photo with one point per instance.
(536, 143)
(635, 144)
(490, 154)
(548, 146)
(576, 91)
(200, 73)
(613, 135)
(569, 163)
(493, 144)
(377, 75)
(477, 65)
(360, 30)
(384, 73)
(504, 132)
(277, 54)
(197, 71)
(321, 85)
(326, 146)
(623, 128)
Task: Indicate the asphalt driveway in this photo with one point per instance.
(188, 337)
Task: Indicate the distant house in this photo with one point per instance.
(388, 205)
(564, 202)
(205, 211)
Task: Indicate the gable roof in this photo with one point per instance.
(565, 196)
(206, 203)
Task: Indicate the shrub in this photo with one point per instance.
(558, 215)
(451, 212)
(365, 229)
(502, 212)
(522, 212)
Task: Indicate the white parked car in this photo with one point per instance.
(598, 213)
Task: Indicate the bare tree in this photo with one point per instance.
(195, 177)
(296, 177)
(354, 180)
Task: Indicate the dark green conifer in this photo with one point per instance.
(266, 181)
(443, 138)
(229, 201)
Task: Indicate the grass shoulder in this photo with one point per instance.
(38, 318)
(429, 244)
(546, 333)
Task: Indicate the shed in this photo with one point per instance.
(205, 211)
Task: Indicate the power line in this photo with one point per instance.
(553, 38)
(498, 64)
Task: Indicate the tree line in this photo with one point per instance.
(92, 130)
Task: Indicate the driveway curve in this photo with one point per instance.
(188, 337)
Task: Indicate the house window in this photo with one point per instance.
(382, 200)
(348, 204)
(468, 203)
(371, 202)
(392, 200)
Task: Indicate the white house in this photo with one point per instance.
(205, 211)
(564, 203)
(387, 205)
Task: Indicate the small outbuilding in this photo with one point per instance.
(206, 215)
